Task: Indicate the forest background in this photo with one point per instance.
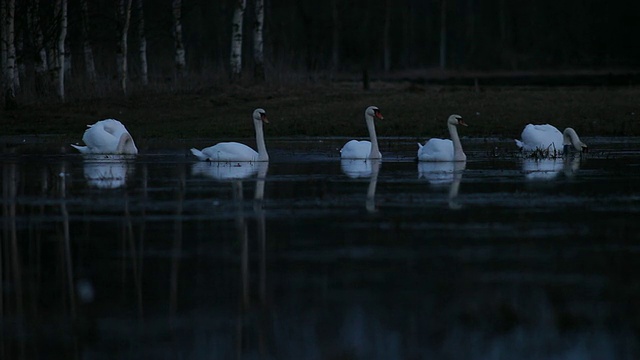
(195, 68)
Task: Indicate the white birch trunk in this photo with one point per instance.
(61, 11)
(335, 36)
(3, 40)
(443, 35)
(177, 37)
(142, 41)
(236, 39)
(33, 23)
(387, 37)
(124, 15)
(258, 42)
(89, 63)
(10, 62)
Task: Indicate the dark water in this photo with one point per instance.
(306, 257)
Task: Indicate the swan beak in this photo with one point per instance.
(264, 119)
(378, 114)
(461, 122)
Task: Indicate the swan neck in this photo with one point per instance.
(458, 153)
(571, 138)
(375, 151)
(262, 147)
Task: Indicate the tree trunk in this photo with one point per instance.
(387, 37)
(40, 52)
(124, 15)
(236, 39)
(61, 9)
(443, 35)
(10, 48)
(335, 36)
(89, 64)
(3, 41)
(142, 41)
(258, 42)
(177, 37)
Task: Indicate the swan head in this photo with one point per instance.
(456, 120)
(373, 112)
(126, 145)
(570, 137)
(260, 115)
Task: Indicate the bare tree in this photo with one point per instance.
(443, 34)
(61, 13)
(387, 36)
(258, 42)
(142, 43)
(335, 35)
(236, 39)
(89, 64)
(124, 15)
(3, 39)
(9, 44)
(40, 52)
(177, 37)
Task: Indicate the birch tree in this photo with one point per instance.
(61, 12)
(387, 36)
(258, 42)
(177, 37)
(3, 41)
(443, 34)
(142, 43)
(335, 35)
(9, 46)
(236, 39)
(40, 52)
(89, 64)
(124, 15)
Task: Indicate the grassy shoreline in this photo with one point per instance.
(336, 110)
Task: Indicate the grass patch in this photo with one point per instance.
(337, 110)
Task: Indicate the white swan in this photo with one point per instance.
(444, 149)
(107, 137)
(549, 139)
(355, 149)
(233, 151)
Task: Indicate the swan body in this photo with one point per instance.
(355, 149)
(234, 151)
(444, 149)
(548, 138)
(107, 137)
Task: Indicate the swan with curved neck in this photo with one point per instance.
(234, 151)
(548, 138)
(444, 149)
(107, 136)
(355, 149)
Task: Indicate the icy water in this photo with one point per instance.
(308, 257)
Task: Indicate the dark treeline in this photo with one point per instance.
(304, 39)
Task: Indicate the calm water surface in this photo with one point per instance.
(308, 257)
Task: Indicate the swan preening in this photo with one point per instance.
(548, 139)
(355, 149)
(233, 151)
(444, 149)
(107, 137)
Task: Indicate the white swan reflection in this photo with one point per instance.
(441, 174)
(107, 172)
(227, 170)
(359, 168)
(549, 169)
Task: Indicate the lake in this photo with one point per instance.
(310, 257)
